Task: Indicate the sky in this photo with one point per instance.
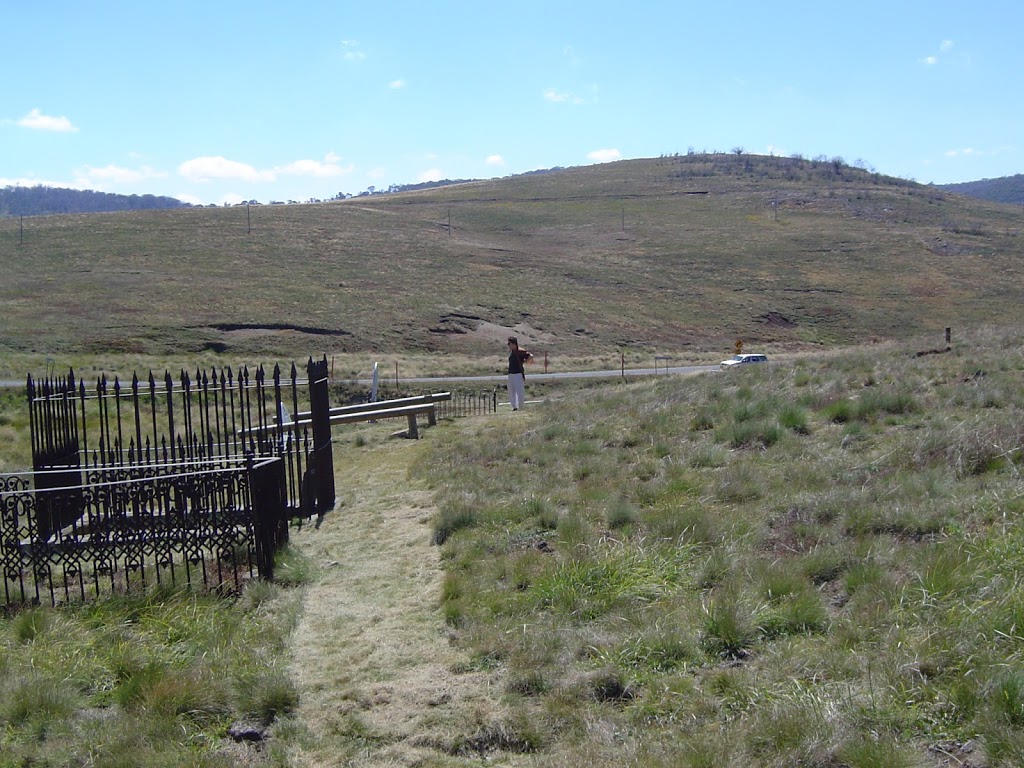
(218, 102)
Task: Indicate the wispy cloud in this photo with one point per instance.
(974, 152)
(352, 51)
(561, 97)
(37, 121)
(99, 178)
(317, 169)
(397, 84)
(495, 160)
(204, 169)
(604, 155)
(26, 182)
(571, 56)
(432, 174)
(946, 46)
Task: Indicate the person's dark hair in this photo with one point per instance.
(513, 340)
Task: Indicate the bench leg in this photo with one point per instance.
(413, 431)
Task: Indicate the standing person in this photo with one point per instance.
(516, 374)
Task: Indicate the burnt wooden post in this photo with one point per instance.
(320, 407)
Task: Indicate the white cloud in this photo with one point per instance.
(497, 160)
(36, 120)
(95, 178)
(975, 152)
(23, 182)
(203, 169)
(326, 169)
(433, 174)
(190, 199)
(396, 84)
(231, 199)
(604, 155)
(559, 97)
(944, 47)
(350, 51)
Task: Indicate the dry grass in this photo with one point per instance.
(382, 685)
(784, 254)
(732, 570)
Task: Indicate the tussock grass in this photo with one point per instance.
(813, 564)
(143, 680)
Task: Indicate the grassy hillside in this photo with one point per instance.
(1006, 189)
(814, 564)
(675, 255)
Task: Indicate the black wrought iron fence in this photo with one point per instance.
(463, 402)
(212, 523)
(219, 413)
(188, 481)
(468, 403)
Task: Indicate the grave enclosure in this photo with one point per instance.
(181, 482)
(186, 482)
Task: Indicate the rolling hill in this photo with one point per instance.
(1006, 189)
(678, 254)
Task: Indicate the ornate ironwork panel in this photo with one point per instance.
(198, 523)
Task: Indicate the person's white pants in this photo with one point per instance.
(516, 390)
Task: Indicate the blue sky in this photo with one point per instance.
(219, 102)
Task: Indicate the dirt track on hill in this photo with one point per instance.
(380, 683)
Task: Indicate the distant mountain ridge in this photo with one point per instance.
(45, 200)
(1006, 189)
(42, 200)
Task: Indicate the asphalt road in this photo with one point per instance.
(531, 375)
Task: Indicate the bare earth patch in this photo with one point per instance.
(497, 334)
(380, 683)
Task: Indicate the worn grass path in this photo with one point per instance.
(380, 683)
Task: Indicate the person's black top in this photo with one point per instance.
(516, 359)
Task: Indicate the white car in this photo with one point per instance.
(743, 360)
